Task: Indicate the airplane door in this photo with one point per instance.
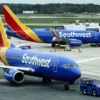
(96, 35)
(55, 65)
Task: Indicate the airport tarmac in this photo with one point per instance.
(34, 89)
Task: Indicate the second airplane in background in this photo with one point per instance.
(67, 37)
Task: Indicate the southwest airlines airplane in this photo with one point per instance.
(70, 37)
(19, 62)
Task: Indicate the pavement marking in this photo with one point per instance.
(91, 74)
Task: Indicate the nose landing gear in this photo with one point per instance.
(66, 85)
(46, 80)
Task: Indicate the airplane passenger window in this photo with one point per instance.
(71, 65)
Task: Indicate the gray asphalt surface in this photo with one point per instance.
(34, 89)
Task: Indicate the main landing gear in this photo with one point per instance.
(46, 80)
(53, 44)
(66, 85)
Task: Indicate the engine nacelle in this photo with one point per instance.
(75, 42)
(14, 76)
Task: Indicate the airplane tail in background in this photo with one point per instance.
(11, 19)
(15, 25)
(4, 42)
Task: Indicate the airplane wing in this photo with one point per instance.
(25, 44)
(17, 68)
(87, 60)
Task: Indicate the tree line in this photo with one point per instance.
(54, 8)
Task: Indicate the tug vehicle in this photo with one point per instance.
(90, 87)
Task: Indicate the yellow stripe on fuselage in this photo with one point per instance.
(3, 56)
(27, 30)
(32, 35)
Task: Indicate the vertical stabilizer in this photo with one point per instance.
(4, 42)
(15, 25)
(12, 20)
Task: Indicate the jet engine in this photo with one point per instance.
(66, 41)
(75, 42)
(14, 76)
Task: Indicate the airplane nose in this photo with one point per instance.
(75, 73)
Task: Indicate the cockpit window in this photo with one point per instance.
(69, 65)
(65, 65)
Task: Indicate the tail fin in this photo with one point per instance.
(11, 19)
(15, 25)
(4, 42)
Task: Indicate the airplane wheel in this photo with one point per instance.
(66, 86)
(94, 92)
(44, 80)
(53, 44)
(71, 82)
(85, 91)
(58, 46)
(49, 80)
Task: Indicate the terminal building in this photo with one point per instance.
(79, 26)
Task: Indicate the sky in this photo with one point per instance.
(51, 1)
